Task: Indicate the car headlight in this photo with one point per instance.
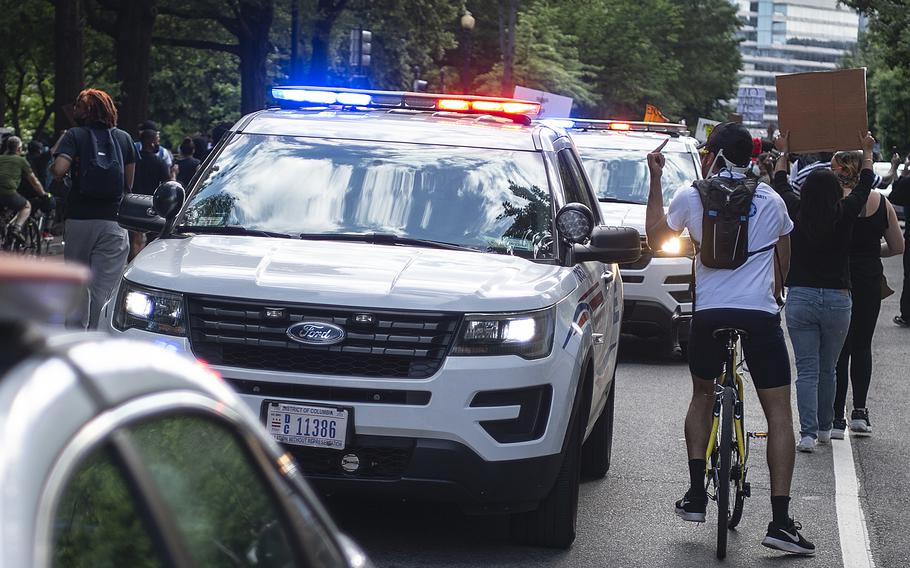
(149, 310)
(676, 246)
(528, 335)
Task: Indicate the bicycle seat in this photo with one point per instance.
(725, 332)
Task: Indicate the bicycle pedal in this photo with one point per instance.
(758, 434)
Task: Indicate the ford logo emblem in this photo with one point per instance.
(316, 333)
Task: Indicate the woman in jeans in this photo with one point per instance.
(877, 220)
(818, 299)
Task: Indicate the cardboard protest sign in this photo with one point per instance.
(653, 114)
(824, 111)
(704, 128)
(551, 105)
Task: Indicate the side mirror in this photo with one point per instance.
(575, 223)
(609, 245)
(137, 214)
(168, 199)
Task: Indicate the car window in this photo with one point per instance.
(623, 174)
(491, 200)
(97, 522)
(222, 506)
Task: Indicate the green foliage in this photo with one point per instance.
(885, 51)
(546, 58)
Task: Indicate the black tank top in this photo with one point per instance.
(865, 246)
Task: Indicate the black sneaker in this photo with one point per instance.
(902, 321)
(15, 233)
(692, 508)
(859, 421)
(837, 431)
(787, 539)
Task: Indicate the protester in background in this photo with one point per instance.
(39, 158)
(818, 300)
(187, 164)
(900, 195)
(201, 147)
(151, 171)
(807, 164)
(101, 161)
(877, 220)
(161, 152)
(13, 169)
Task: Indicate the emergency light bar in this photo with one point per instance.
(303, 96)
(617, 125)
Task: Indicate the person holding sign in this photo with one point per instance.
(818, 300)
(734, 287)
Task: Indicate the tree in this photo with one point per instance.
(250, 23)
(69, 79)
(546, 59)
(326, 14)
(130, 24)
(709, 58)
(885, 50)
(508, 14)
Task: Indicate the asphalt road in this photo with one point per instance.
(627, 518)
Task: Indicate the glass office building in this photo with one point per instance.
(791, 36)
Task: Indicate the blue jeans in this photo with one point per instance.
(818, 320)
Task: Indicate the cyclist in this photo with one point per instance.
(741, 298)
(13, 168)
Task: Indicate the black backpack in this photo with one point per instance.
(727, 206)
(100, 165)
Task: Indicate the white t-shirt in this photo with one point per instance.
(751, 286)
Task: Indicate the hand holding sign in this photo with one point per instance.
(656, 160)
(867, 142)
(782, 143)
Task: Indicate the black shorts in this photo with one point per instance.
(12, 200)
(765, 349)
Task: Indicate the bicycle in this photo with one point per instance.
(728, 453)
(30, 241)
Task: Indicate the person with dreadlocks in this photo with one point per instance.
(100, 159)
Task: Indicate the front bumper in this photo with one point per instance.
(441, 407)
(657, 299)
(431, 470)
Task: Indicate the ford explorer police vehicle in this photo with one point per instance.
(415, 292)
(658, 301)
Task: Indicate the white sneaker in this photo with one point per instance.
(806, 444)
(824, 436)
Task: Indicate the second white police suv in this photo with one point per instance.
(416, 293)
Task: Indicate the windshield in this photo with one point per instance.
(484, 199)
(623, 174)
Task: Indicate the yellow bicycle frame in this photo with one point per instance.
(737, 422)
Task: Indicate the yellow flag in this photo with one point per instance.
(653, 114)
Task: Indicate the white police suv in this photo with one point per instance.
(415, 292)
(658, 300)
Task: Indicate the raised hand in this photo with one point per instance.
(656, 160)
(782, 143)
(867, 142)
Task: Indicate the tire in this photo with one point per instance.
(552, 524)
(598, 448)
(723, 474)
(740, 480)
(33, 239)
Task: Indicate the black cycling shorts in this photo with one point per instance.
(12, 200)
(766, 349)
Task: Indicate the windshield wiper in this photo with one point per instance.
(230, 230)
(618, 200)
(384, 239)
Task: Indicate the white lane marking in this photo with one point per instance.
(851, 523)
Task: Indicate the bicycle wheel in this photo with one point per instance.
(32, 236)
(723, 473)
(738, 474)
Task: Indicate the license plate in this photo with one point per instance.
(304, 425)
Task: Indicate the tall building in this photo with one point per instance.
(789, 36)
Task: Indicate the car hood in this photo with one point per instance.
(349, 274)
(624, 215)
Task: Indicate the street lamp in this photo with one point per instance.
(467, 27)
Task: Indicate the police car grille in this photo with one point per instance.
(398, 344)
